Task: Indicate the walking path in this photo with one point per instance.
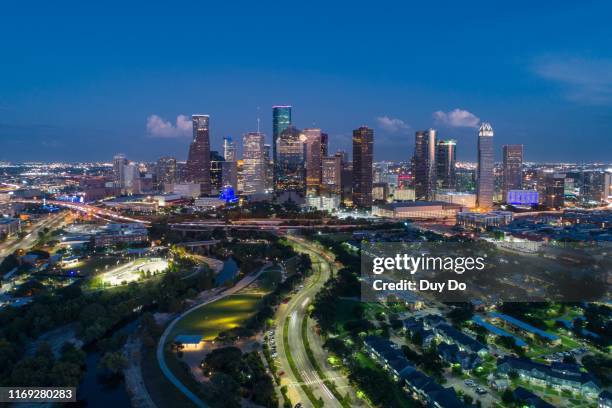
(244, 282)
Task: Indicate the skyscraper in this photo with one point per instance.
(269, 164)
(229, 170)
(216, 171)
(555, 190)
(331, 173)
(119, 163)
(445, 167)
(425, 164)
(512, 176)
(198, 160)
(324, 144)
(312, 145)
(281, 120)
(363, 152)
(253, 169)
(229, 149)
(484, 173)
(165, 171)
(290, 167)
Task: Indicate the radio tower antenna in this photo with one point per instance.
(258, 119)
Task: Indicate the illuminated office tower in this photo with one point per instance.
(484, 173)
(269, 166)
(555, 190)
(290, 167)
(324, 144)
(229, 149)
(253, 167)
(119, 163)
(446, 157)
(216, 171)
(281, 120)
(331, 173)
(425, 164)
(512, 176)
(198, 160)
(312, 145)
(363, 152)
(165, 171)
(229, 167)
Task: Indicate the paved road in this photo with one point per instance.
(244, 282)
(296, 311)
(51, 222)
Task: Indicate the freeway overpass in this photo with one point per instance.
(84, 208)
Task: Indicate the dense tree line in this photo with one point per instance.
(94, 314)
(234, 375)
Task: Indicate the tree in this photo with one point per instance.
(113, 362)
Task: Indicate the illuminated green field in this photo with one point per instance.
(219, 316)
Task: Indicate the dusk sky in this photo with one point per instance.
(80, 82)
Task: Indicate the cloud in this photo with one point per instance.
(392, 125)
(456, 118)
(158, 127)
(583, 80)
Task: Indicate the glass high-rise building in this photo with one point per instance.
(253, 167)
(312, 145)
(119, 163)
(290, 167)
(446, 156)
(512, 176)
(165, 171)
(363, 153)
(281, 120)
(425, 164)
(229, 149)
(331, 173)
(484, 173)
(198, 160)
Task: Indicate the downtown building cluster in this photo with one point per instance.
(297, 166)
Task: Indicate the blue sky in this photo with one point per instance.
(82, 82)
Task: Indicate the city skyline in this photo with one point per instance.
(539, 84)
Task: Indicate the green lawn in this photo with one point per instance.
(219, 316)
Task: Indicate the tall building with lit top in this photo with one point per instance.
(198, 160)
(363, 153)
(253, 168)
(425, 164)
(484, 173)
(446, 157)
(512, 176)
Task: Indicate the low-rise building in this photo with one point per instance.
(560, 377)
(426, 390)
(484, 220)
(121, 234)
(417, 210)
(327, 203)
(467, 200)
(9, 226)
(389, 356)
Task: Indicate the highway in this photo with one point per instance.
(85, 208)
(52, 222)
